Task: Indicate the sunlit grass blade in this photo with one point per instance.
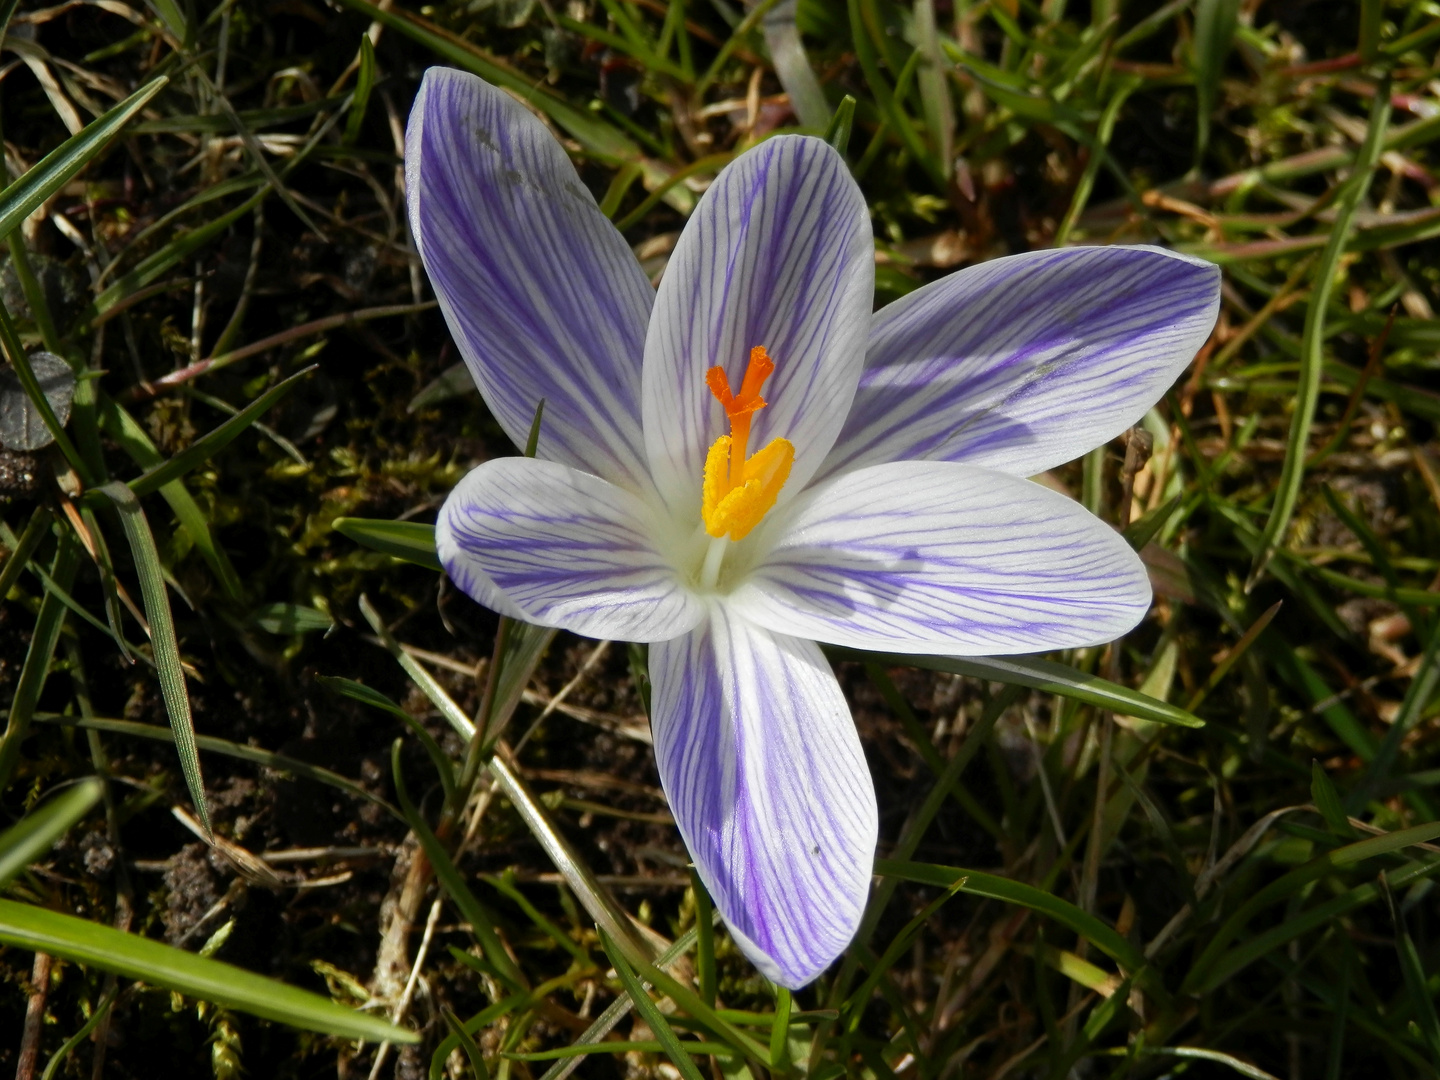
(596, 136)
(577, 874)
(132, 438)
(26, 927)
(408, 540)
(211, 443)
(664, 1033)
(792, 66)
(56, 169)
(162, 638)
(1043, 675)
(1215, 22)
(888, 99)
(837, 132)
(1307, 392)
(780, 1031)
(23, 843)
(525, 646)
(364, 83)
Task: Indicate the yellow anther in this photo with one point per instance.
(739, 491)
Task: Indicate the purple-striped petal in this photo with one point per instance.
(1027, 362)
(542, 294)
(567, 549)
(931, 556)
(765, 776)
(779, 253)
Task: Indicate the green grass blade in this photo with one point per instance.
(451, 1042)
(162, 638)
(1043, 675)
(213, 745)
(616, 1010)
(837, 132)
(56, 169)
(463, 1037)
(792, 66)
(23, 843)
(407, 540)
(645, 1046)
(1417, 989)
(360, 692)
(37, 659)
(1371, 14)
(602, 908)
(504, 884)
(171, 15)
(101, 1010)
(1328, 800)
(705, 973)
(1292, 927)
(1307, 393)
(131, 436)
(596, 136)
(887, 99)
(780, 1028)
(934, 85)
(1092, 929)
(364, 83)
(1418, 696)
(480, 921)
(1215, 22)
(525, 645)
(283, 618)
(80, 941)
(664, 1033)
(21, 550)
(210, 444)
(161, 261)
(860, 997)
(1206, 970)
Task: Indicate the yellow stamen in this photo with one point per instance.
(740, 490)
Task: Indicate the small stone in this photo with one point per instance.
(21, 425)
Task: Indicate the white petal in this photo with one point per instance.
(930, 556)
(1027, 362)
(765, 775)
(779, 253)
(566, 549)
(542, 294)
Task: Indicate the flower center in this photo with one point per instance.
(740, 490)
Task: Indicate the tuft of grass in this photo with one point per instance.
(224, 558)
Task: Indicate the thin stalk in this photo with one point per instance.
(1307, 392)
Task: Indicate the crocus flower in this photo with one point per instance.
(748, 461)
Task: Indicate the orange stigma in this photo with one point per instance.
(740, 490)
